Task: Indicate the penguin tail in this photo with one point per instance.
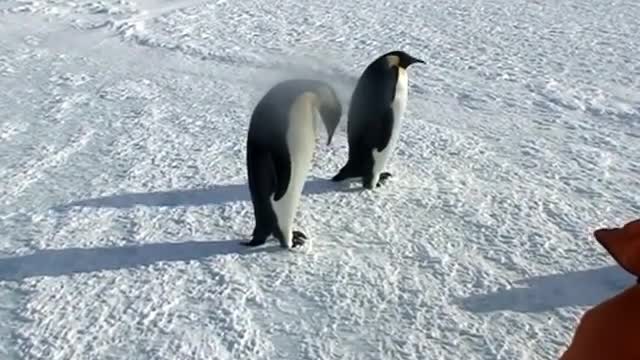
(347, 171)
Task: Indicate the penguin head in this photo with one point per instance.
(331, 115)
(401, 59)
(330, 110)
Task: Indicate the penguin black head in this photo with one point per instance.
(401, 59)
(330, 110)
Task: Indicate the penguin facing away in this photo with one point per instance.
(375, 112)
(280, 147)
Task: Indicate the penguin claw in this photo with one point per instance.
(383, 178)
(299, 235)
(298, 238)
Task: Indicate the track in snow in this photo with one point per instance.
(123, 191)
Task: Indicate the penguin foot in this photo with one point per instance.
(383, 178)
(298, 238)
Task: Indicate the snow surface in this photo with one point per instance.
(123, 185)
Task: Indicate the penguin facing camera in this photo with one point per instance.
(377, 105)
(280, 147)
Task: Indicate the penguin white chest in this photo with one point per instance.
(300, 139)
(398, 107)
(399, 101)
(301, 143)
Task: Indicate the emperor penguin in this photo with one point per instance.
(280, 147)
(375, 113)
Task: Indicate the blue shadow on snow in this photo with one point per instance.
(218, 194)
(78, 260)
(548, 292)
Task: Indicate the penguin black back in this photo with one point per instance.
(279, 148)
(373, 115)
(375, 90)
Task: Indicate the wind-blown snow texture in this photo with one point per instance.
(124, 194)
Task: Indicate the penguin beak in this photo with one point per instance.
(331, 119)
(417, 61)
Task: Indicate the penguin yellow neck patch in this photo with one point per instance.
(393, 60)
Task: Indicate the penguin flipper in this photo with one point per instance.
(282, 166)
(384, 129)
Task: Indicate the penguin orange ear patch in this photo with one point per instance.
(623, 244)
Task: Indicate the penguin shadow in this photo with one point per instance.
(212, 195)
(69, 261)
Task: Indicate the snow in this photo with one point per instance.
(123, 195)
